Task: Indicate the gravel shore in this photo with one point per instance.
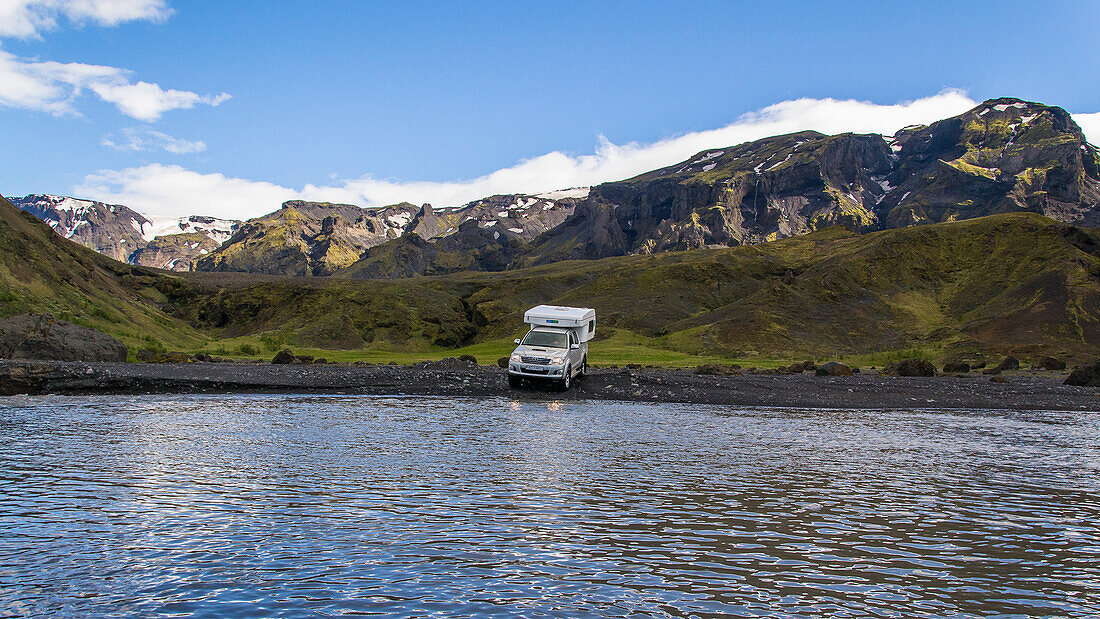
(1023, 391)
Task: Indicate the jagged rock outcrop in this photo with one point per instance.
(43, 337)
(475, 246)
(763, 190)
(174, 252)
(314, 238)
(1005, 155)
(308, 238)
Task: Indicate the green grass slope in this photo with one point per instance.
(1016, 283)
(42, 272)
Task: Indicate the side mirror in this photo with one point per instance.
(575, 347)
(515, 341)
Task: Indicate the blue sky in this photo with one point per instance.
(227, 108)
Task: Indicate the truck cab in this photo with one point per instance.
(556, 346)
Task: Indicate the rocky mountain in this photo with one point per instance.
(320, 238)
(128, 236)
(1016, 283)
(1005, 155)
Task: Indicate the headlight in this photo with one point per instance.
(516, 358)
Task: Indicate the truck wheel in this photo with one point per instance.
(566, 379)
(513, 381)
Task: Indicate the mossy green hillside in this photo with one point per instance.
(1009, 284)
(42, 272)
(1015, 283)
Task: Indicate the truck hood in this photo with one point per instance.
(538, 351)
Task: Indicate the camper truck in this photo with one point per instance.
(556, 346)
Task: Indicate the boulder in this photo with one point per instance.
(283, 357)
(43, 337)
(1051, 363)
(468, 359)
(952, 367)
(1085, 376)
(502, 363)
(833, 368)
(909, 367)
(1008, 363)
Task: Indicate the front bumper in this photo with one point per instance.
(528, 370)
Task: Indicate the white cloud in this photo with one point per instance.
(53, 87)
(137, 139)
(1090, 124)
(27, 19)
(172, 190)
(145, 101)
(557, 170)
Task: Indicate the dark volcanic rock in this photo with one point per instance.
(41, 336)
(449, 364)
(165, 357)
(283, 357)
(1051, 363)
(833, 368)
(909, 367)
(716, 369)
(502, 363)
(1008, 363)
(1085, 376)
(952, 367)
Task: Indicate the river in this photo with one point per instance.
(276, 505)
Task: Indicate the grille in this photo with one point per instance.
(536, 360)
(534, 371)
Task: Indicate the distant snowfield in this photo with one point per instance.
(172, 191)
(218, 229)
(576, 192)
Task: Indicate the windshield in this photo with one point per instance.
(548, 339)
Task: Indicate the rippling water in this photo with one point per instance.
(287, 505)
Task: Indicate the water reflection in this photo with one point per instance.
(283, 506)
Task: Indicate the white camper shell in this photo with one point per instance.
(582, 319)
(556, 346)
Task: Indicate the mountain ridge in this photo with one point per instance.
(1004, 155)
(122, 233)
(1016, 283)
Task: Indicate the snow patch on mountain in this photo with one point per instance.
(561, 194)
(217, 229)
